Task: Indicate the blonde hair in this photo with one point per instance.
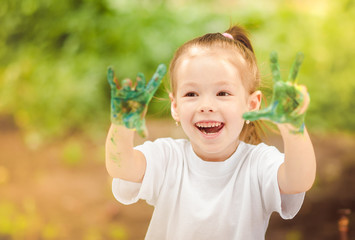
(252, 132)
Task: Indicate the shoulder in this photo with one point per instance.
(260, 149)
(164, 143)
(163, 147)
(263, 155)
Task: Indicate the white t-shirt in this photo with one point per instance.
(196, 199)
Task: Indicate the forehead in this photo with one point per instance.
(219, 51)
(209, 63)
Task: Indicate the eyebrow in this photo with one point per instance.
(219, 83)
(223, 83)
(189, 84)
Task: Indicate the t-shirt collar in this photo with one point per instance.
(216, 169)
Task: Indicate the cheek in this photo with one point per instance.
(185, 110)
(238, 108)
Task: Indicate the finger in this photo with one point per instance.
(112, 80)
(140, 82)
(142, 132)
(268, 113)
(251, 116)
(257, 115)
(305, 100)
(141, 128)
(296, 67)
(127, 84)
(154, 83)
(275, 68)
(260, 114)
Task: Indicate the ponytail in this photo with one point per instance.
(240, 35)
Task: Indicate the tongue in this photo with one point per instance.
(212, 129)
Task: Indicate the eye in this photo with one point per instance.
(223, 94)
(191, 94)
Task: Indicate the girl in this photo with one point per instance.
(222, 183)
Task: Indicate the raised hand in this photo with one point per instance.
(129, 103)
(289, 100)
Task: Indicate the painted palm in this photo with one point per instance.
(129, 103)
(287, 99)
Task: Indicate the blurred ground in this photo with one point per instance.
(62, 190)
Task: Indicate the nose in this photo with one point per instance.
(206, 105)
(206, 109)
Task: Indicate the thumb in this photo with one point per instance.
(252, 116)
(266, 113)
(142, 131)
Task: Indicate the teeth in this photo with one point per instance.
(208, 125)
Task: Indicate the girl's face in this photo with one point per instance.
(210, 100)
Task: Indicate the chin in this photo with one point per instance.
(214, 151)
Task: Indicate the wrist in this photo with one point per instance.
(120, 131)
(119, 121)
(132, 123)
(290, 128)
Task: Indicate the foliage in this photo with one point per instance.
(25, 223)
(72, 154)
(54, 54)
(324, 34)
(28, 221)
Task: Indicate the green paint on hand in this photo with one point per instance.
(286, 100)
(129, 104)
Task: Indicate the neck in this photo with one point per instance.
(216, 156)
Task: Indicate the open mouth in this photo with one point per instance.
(209, 128)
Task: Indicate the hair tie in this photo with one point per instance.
(228, 35)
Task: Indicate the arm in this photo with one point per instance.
(289, 104)
(122, 161)
(128, 107)
(298, 171)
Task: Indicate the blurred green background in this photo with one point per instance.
(54, 98)
(54, 54)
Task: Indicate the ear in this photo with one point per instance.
(254, 101)
(173, 108)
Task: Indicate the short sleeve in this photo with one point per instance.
(156, 154)
(125, 192)
(269, 161)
